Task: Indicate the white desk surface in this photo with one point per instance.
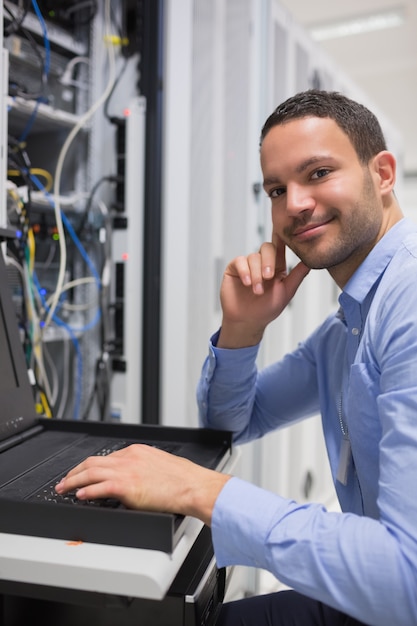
(100, 568)
(94, 567)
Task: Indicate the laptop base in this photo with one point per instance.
(120, 526)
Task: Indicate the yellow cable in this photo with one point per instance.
(45, 405)
(116, 40)
(31, 245)
(36, 171)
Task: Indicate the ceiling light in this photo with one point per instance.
(358, 25)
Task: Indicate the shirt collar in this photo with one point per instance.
(374, 265)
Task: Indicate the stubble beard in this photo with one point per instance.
(358, 231)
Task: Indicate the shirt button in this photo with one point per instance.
(355, 331)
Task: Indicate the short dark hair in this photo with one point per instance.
(359, 124)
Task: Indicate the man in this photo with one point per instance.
(330, 179)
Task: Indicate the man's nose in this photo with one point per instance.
(299, 199)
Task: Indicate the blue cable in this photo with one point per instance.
(81, 248)
(70, 229)
(71, 331)
(45, 71)
(30, 122)
(75, 342)
(46, 41)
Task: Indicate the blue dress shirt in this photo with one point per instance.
(359, 371)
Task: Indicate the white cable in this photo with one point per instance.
(33, 316)
(58, 172)
(71, 285)
(66, 78)
(37, 343)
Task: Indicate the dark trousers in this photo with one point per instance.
(284, 608)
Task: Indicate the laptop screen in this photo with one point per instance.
(17, 406)
(8, 378)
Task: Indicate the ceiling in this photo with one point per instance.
(382, 63)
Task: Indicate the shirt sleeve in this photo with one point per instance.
(346, 561)
(227, 375)
(233, 395)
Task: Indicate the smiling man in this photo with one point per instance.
(325, 201)
(331, 183)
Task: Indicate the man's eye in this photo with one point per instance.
(275, 193)
(320, 173)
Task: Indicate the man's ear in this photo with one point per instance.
(384, 167)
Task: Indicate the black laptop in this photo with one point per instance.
(35, 452)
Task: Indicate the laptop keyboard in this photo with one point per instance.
(47, 492)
